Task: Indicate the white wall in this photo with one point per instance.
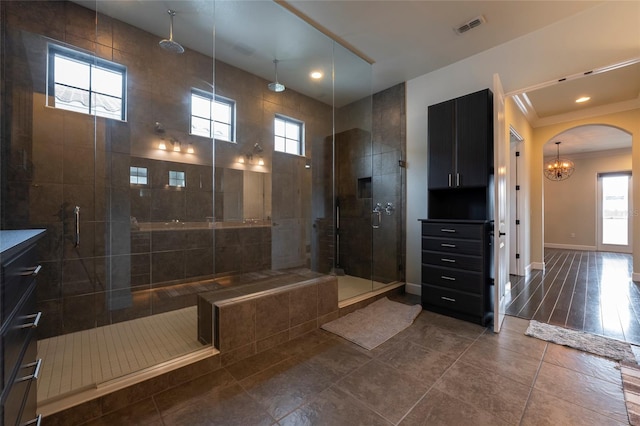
(609, 30)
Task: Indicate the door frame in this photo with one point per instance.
(500, 208)
(516, 200)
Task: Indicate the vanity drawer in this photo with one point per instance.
(469, 263)
(453, 230)
(19, 333)
(449, 245)
(21, 403)
(17, 275)
(454, 279)
(465, 303)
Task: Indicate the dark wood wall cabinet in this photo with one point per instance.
(456, 240)
(19, 367)
(460, 146)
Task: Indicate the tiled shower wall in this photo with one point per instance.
(369, 172)
(54, 160)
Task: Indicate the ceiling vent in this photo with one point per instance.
(475, 22)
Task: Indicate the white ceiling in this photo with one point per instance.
(589, 138)
(403, 39)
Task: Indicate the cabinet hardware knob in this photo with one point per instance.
(34, 323)
(448, 260)
(447, 230)
(32, 272)
(36, 371)
(447, 245)
(34, 422)
(444, 277)
(448, 299)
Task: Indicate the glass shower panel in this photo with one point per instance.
(158, 180)
(269, 207)
(55, 157)
(97, 149)
(354, 202)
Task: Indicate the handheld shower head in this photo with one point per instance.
(169, 44)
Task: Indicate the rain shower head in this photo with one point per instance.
(275, 86)
(171, 45)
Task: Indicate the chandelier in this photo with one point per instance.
(558, 169)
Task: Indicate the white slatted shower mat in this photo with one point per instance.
(80, 360)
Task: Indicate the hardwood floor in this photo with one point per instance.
(582, 290)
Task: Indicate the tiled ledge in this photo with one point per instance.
(246, 325)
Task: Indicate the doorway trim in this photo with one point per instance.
(516, 200)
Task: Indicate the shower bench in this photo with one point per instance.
(272, 311)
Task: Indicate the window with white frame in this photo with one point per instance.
(177, 179)
(288, 135)
(138, 175)
(212, 118)
(83, 83)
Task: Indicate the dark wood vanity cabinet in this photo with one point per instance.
(460, 138)
(19, 367)
(455, 269)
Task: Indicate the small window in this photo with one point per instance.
(212, 118)
(138, 175)
(288, 135)
(83, 83)
(177, 179)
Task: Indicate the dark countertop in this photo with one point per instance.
(471, 221)
(12, 241)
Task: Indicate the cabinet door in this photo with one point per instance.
(441, 121)
(472, 140)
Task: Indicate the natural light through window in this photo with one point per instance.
(615, 210)
(138, 175)
(288, 135)
(83, 83)
(212, 118)
(177, 179)
(615, 301)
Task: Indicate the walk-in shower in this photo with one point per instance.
(154, 189)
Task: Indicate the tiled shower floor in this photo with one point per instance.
(77, 361)
(349, 286)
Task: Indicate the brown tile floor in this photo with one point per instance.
(439, 371)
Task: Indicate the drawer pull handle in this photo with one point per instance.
(447, 230)
(448, 299)
(448, 245)
(32, 272)
(36, 371)
(444, 259)
(34, 323)
(34, 422)
(444, 277)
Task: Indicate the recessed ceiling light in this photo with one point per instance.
(316, 75)
(583, 99)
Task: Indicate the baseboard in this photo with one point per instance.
(413, 289)
(527, 270)
(635, 276)
(569, 247)
(537, 265)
